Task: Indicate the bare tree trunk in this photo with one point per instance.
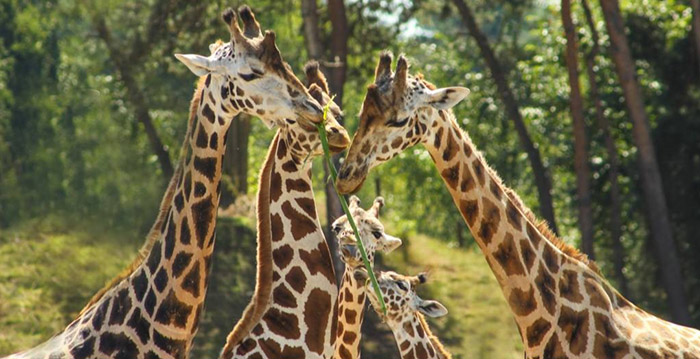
(583, 172)
(695, 4)
(542, 180)
(660, 225)
(611, 149)
(235, 165)
(309, 12)
(339, 48)
(134, 94)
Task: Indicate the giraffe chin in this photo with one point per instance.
(350, 185)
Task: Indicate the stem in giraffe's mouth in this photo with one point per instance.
(343, 203)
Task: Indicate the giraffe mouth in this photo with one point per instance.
(350, 186)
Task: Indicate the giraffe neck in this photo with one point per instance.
(300, 316)
(351, 314)
(154, 310)
(414, 339)
(535, 270)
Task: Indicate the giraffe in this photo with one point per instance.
(563, 306)
(405, 314)
(153, 310)
(351, 297)
(293, 312)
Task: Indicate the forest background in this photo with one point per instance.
(590, 111)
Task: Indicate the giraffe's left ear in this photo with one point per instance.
(198, 64)
(447, 97)
(432, 308)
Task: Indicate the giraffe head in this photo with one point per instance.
(251, 77)
(390, 119)
(302, 137)
(402, 302)
(370, 229)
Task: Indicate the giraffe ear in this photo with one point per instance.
(376, 206)
(198, 64)
(354, 201)
(432, 308)
(390, 243)
(447, 97)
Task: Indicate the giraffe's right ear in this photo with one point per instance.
(447, 97)
(198, 64)
(432, 308)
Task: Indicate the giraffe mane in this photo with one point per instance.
(155, 231)
(539, 224)
(433, 339)
(263, 286)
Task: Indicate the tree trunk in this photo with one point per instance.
(542, 180)
(695, 4)
(339, 48)
(583, 172)
(657, 211)
(134, 95)
(235, 164)
(309, 13)
(602, 121)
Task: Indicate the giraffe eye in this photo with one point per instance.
(397, 123)
(377, 234)
(402, 285)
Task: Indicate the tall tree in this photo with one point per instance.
(611, 149)
(542, 180)
(695, 4)
(657, 211)
(583, 172)
(128, 56)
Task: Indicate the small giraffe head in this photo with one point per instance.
(399, 292)
(371, 233)
(251, 75)
(390, 119)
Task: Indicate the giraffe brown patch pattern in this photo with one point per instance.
(470, 209)
(553, 349)
(451, 176)
(296, 279)
(479, 171)
(301, 225)
(527, 254)
(569, 286)
(522, 302)
(551, 258)
(283, 324)
(507, 257)
(537, 331)
(173, 311)
(604, 348)
(490, 220)
(276, 227)
(546, 287)
(283, 255)
(575, 325)
(318, 307)
(451, 147)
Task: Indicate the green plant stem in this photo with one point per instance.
(344, 204)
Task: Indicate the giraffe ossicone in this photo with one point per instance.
(352, 293)
(562, 305)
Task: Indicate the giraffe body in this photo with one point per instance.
(299, 316)
(153, 311)
(562, 305)
(352, 293)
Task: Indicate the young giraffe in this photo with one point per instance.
(405, 312)
(563, 306)
(351, 297)
(153, 312)
(293, 313)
